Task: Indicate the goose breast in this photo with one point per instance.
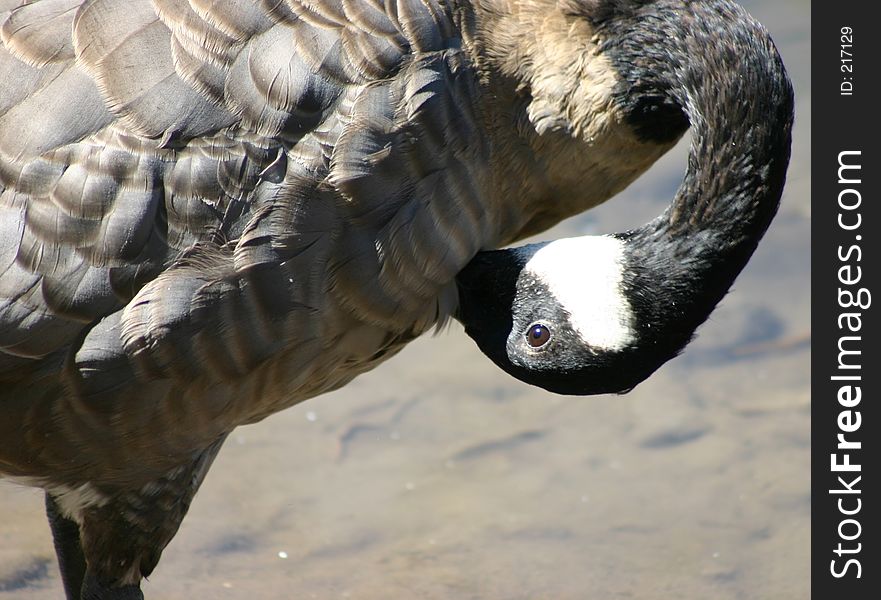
(210, 211)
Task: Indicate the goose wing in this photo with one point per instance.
(195, 194)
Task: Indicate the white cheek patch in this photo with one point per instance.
(584, 274)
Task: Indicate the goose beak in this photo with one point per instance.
(487, 286)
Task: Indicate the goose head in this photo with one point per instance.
(556, 314)
(599, 314)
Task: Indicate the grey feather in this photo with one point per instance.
(39, 33)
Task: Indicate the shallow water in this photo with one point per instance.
(437, 476)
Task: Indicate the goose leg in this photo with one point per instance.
(66, 537)
(78, 583)
(93, 589)
(124, 534)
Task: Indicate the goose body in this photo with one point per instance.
(212, 211)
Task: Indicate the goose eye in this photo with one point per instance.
(538, 336)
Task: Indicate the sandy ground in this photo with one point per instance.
(436, 476)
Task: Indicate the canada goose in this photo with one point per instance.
(218, 210)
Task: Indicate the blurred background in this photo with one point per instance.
(437, 476)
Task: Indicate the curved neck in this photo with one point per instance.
(719, 66)
(699, 63)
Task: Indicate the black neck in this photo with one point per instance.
(699, 63)
(718, 66)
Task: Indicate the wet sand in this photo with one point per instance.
(436, 476)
